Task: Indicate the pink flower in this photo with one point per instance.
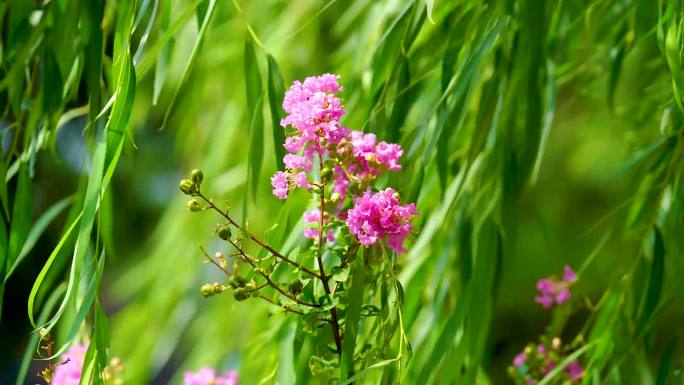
(68, 371)
(311, 106)
(531, 381)
(207, 376)
(297, 162)
(519, 360)
(301, 181)
(280, 183)
(379, 215)
(569, 275)
(545, 300)
(340, 183)
(555, 291)
(574, 370)
(388, 155)
(294, 143)
(563, 296)
(541, 349)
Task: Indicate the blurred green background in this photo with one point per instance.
(605, 88)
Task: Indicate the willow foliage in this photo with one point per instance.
(503, 109)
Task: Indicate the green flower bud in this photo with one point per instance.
(326, 172)
(295, 287)
(187, 187)
(217, 287)
(241, 294)
(207, 290)
(196, 176)
(223, 232)
(335, 197)
(236, 281)
(194, 205)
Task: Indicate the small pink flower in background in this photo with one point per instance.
(531, 381)
(541, 349)
(519, 360)
(375, 216)
(569, 275)
(68, 370)
(555, 291)
(574, 370)
(280, 183)
(207, 376)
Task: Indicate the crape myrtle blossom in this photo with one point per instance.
(207, 376)
(68, 371)
(314, 112)
(535, 363)
(348, 160)
(555, 291)
(69, 368)
(379, 215)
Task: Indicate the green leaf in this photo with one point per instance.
(276, 91)
(166, 38)
(37, 230)
(655, 280)
(191, 60)
(255, 114)
(21, 215)
(353, 317)
(287, 373)
(665, 363)
(165, 54)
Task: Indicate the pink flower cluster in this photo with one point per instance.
(314, 112)
(68, 371)
(207, 376)
(379, 215)
(555, 291)
(352, 158)
(546, 363)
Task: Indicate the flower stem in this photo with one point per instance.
(324, 279)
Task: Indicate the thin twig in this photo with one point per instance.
(268, 279)
(257, 240)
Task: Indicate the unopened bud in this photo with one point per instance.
(187, 187)
(395, 195)
(236, 281)
(217, 287)
(196, 176)
(44, 332)
(371, 157)
(241, 294)
(556, 343)
(295, 287)
(335, 197)
(326, 172)
(194, 205)
(207, 290)
(223, 232)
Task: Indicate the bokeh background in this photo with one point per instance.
(606, 107)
